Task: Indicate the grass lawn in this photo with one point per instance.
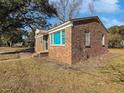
(104, 75)
(8, 56)
(9, 49)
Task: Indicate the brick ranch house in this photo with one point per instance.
(73, 41)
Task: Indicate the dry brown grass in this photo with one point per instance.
(44, 76)
(10, 49)
(8, 56)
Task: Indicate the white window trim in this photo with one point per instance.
(51, 43)
(103, 40)
(61, 37)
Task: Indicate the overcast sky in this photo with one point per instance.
(111, 12)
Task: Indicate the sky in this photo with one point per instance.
(111, 12)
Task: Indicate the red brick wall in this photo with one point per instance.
(79, 51)
(74, 50)
(62, 53)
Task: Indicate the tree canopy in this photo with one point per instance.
(22, 13)
(18, 14)
(116, 35)
(67, 9)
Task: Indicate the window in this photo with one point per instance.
(103, 40)
(63, 37)
(58, 38)
(87, 39)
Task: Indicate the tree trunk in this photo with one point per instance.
(6, 44)
(10, 43)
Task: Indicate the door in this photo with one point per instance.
(45, 42)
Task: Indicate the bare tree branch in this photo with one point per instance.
(91, 7)
(67, 9)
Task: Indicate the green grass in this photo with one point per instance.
(43, 76)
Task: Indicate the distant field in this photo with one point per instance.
(100, 75)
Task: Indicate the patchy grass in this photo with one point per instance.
(116, 68)
(10, 49)
(44, 76)
(8, 56)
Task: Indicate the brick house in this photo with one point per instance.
(73, 41)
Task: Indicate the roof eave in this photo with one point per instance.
(60, 27)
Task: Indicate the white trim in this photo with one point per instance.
(66, 23)
(61, 37)
(103, 39)
(60, 28)
(37, 31)
(50, 38)
(56, 45)
(39, 36)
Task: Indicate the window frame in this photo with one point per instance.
(103, 40)
(87, 39)
(61, 38)
(57, 40)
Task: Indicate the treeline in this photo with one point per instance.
(17, 38)
(116, 37)
(8, 38)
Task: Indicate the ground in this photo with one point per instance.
(4, 55)
(2, 49)
(8, 56)
(104, 74)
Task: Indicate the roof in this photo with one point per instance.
(78, 19)
(41, 32)
(84, 18)
(92, 17)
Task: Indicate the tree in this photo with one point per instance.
(13, 36)
(91, 7)
(67, 9)
(30, 40)
(24, 14)
(116, 35)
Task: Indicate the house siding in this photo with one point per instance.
(79, 51)
(62, 53)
